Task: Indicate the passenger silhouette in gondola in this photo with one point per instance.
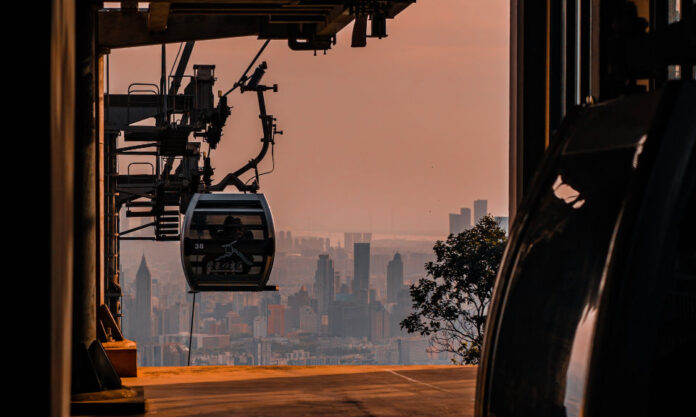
(233, 260)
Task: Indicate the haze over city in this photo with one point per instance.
(388, 139)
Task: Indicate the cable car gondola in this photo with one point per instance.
(228, 243)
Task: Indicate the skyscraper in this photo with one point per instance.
(295, 303)
(395, 278)
(276, 320)
(455, 223)
(142, 323)
(465, 218)
(348, 241)
(324, 283)
(379, 322)
(309, 321)
(480, 209)
(361, 272)
(460, 222)
(503, 222)
(400, 311)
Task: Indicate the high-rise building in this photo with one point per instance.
(337, 283)
(336, 318)
(276, 320)
(295, 302)
(379, 322)
(361, 272)
(348, 319)
(454, 223)
(348, 241)
(309, 321)
(177, 318)
(324, 283)
(268, 298)
(262, 351)
(280, 241)
(413, 350)
(142, 323)
(480, 210)
(174, 354)
(395, 278)
(402, 309)
(503, 222)
(460, 222)
(465, 218)
(373, 294)
(260, 326)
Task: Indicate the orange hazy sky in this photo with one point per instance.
(389, 138)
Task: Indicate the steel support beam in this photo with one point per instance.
(158, 16)
(85, 279)
(121, 30)
(62, 136)
(529, 124)
(111, 226)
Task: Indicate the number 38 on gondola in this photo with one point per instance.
(228, 243)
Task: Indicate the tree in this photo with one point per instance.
(451, 302)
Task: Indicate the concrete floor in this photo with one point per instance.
(308, 391)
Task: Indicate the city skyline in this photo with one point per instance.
(364, 307)
(459, 222)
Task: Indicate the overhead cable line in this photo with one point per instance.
(251, 64)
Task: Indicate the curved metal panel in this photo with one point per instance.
(543, 316)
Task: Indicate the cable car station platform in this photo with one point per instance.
(307, 390)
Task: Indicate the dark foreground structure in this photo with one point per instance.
(594, 304)
(594, 307)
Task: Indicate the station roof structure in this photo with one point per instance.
(306, 24)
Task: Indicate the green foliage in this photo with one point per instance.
(451, 303)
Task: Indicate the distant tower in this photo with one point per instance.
(503, 222)
(400, 311)
(455, 223)
(142, 320)
(276, 320)
(460, 222)
(465, 216)
(348, 241)
(395, 278)
(379, 322)
(337, 283)
(324, 283)
(361, 272)
(260, 326)
(309, 321)
(280, 241)
(480, 209)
